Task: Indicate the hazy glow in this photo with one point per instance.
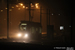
(61, 27)
(1, 10)
(69, 26)
(16, 5)
(26, 35)
(19, 8)
(5, 8)
(23, 24)
(26, 7)
(52, 14)
(12, 7)
(19, 35)
(58, 14)
(23, 6)
(36, 5)
(32, 5)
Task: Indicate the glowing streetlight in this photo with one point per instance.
(12, 7)
(16, 5)
(1, 10)
(5, 8)
(36, 5)
(23, 6)
(26, 7)
(19, 8)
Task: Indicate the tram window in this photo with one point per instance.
(24, 28)
(33, 30)
(21, 28)
(36, 29)
(39, 30)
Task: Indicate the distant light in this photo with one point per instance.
(52, 14)
(1, 10)
(14, 41)
(26, 35)
(61, 27)
(16, 5)
(26, 7)
(19, 8)
(19, 35)
(58, 14)
(36, 4)
(5, 8)
(24, 41)
(69, 26)
(32, 5)
(4, 19)
(12, 7)
(23, 6)
(37, 7)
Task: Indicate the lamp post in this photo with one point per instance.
(7, 19)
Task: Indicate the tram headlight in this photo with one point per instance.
(26, 35)
(19, 35)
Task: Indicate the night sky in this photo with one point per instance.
(62, 7)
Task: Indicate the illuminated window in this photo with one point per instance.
(23, 24)
(24, 28)
(61, 27)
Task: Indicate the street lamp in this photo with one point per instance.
(12, 7)
(5, 8)
(16, 5)
(23, 6)
(36, 5)
(1, 10)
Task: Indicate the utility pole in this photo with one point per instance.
(49, 16)
(29, 11)
(7, 19)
